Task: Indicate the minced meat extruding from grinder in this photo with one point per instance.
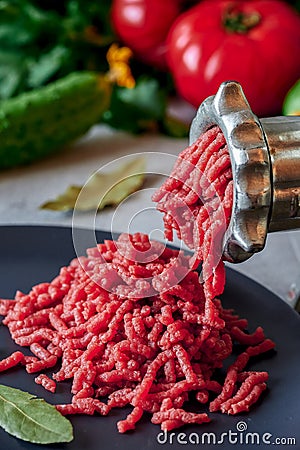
(197, 201)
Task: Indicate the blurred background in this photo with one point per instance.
(151, 53)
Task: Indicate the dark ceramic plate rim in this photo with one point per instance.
(30, 254)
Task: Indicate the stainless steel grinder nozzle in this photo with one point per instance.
(265, 159)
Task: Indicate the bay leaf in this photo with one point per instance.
(102, 189)
(32, 419)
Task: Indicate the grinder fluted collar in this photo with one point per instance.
(265, 159)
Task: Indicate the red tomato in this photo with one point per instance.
(255, 42)
(143, 26)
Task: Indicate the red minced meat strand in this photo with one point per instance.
(46, 382)
(120, 339)
(11, 361)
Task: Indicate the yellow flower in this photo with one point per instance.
(119, 70)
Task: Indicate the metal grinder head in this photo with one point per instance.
(265, 159)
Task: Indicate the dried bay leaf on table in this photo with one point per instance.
(110, 189)
(32, 419)
(102, 189)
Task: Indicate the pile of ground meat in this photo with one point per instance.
(131, 324)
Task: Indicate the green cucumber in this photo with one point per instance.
(40, 122)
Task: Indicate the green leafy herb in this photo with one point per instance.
(13, 68)
(137, 109)
(102, 189)
(32, 419)
(47, 66)
(49, 40)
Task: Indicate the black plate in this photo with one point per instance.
(31, 254)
